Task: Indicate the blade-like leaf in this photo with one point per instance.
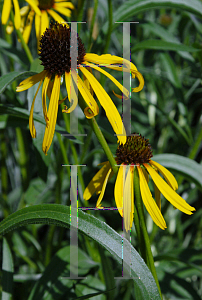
(95, 229)
(7, 79)
(24, 113)
(162, 45)
(133, 7)
(7, 272)
(185, 166)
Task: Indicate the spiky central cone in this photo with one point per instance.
(45, 4)
(55, 49)
(136, 150)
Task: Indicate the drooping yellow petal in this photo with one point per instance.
(28, 26)
(132, 194)
(109, 107)
(17, 18)
(29, 82)
(6, 11)
(71, 92)
(103, 187)
(118, 189)
(44, 21)
(169, 193)
(88, 98)
(62, 10)
(31, 120)
(64, 4)
(52, 115)
(107, 60)
(87, 83)
(120, 86)
(149, 202)
(55, 16)
(97, 181)
(146, 175)
(167, 175)
(34, 6)
(44, 91)
(127, 207)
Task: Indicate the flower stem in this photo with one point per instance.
(100, 138)
(148, 257)
(24, 45)
(110, 20)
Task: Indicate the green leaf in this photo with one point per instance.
(47, 286)
(170, 69)
(95, 229)
(7, 79)
(183, 165)
(7, 272)
(24, 113)
(133, 7)
(162, 45)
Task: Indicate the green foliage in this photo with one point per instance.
(166, 47)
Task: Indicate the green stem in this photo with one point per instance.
(24, 45)
(196, 145)
(92, 24)
(100, 138)
(148, 257)
(110, 20)
(23, 157)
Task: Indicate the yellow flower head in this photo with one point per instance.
(6, 12)
(137, 153)
(43, 10)
(55, 57)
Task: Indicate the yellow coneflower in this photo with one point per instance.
(6, 12)
(43, 10)
(55, 57)
(137, 153)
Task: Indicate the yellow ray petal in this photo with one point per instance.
(29, 82)
(103, 187)
(169, 193)
(127, 207)
(52, 115)
(71, 92)
(31, 120)
(28, 26)
(120, 86)
(107, 60)
(146, 175)
(62, 10)
(55, 16)
(44, 21)
(44, 91)
(17, 18)
(132, 194)
(6, 11)
(34, 6)
(109, 107)
(118, 189)
(87, 83)
(157, 196)
(88, 98)
(149, 202)
(64, 4)
(96, 183)
(167, 175)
